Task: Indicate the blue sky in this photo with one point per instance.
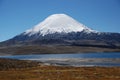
(16, 16)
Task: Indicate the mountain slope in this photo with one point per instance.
(60, 29)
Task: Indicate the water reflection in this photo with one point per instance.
(75, 59)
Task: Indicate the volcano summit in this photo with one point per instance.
(57, 23)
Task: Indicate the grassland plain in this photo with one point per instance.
(29, 70)
(21, 50)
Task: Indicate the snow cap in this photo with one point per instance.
(60, 23)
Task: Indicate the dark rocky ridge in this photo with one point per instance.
(101, 39)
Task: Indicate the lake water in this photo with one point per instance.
(75, 59)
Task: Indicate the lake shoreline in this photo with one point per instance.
(75, 60)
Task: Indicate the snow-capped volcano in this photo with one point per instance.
(58, 23)
(61, 29)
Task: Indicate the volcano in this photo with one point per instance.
(63, 30)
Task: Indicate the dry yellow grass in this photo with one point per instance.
(29, 70)
(62, 73)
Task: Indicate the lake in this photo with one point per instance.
(74, 59)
